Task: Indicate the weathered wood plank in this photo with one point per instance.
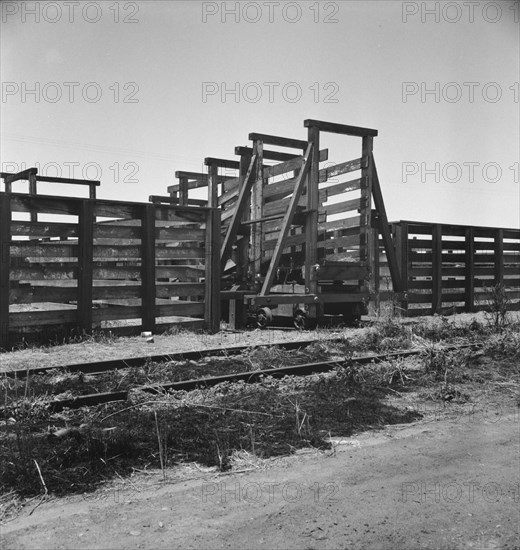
(148, 270)
(5, 239)
(181, 308)
(85, 265)
(279, 141)
(44, 229)
(278, 169)
(335, 128)
(212, 275)
(345, 223)
(342, 271)
(181, 272)
(340, 207)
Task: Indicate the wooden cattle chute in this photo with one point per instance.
(99, 263)
(297, 235)
(450, 268)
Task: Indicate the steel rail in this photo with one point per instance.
(248, 377)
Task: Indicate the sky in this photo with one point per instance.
(130, 92)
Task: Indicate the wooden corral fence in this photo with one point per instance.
(79, 264)
(450, 268)
(296, 234)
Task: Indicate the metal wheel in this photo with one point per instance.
(263, 317)
(300, 319)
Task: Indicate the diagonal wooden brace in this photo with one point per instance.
(385, 231)
(286, 224)
(242, 200)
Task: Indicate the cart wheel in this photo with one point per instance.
(300, 319)
(263, 317)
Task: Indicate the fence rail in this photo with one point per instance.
(452, 268)
(101, 263)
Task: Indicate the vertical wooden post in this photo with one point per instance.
(92, 191)
(436, 268)
(148, 291)
(366, 196)
(5, 254)
(183, 191)
(469, 270)
(85, 263)
(237, 308)
(33, 191)
(257, 207)
(401, 248)
(376, 283)
(311, 221)
(499, 256)
(212, 271)
(213, 185)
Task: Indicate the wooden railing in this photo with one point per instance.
(451, 268)
(104, 264)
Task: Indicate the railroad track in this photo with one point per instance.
(99, 367)
(248, 377)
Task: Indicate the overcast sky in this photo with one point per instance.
(130, 92)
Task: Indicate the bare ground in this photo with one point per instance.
(438, 483)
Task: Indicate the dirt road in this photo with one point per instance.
(435, 484)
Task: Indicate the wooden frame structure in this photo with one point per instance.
(123, 266)
(297, 215)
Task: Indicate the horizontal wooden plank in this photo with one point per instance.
(340, 242)
(28, 294)
(345, 223)
(350, 255)
(345, 206)
(345, 272)
(278, 169)
(279, 141)
(426, 257)
(44, 204)
(278, 189)
(291, 240)
(335, 128)
(490, 246)
(44, 229)
(23, 175)
(222, 163)
(180, 308)
(326, 174)
(113, 313)
(277, 155)
(102, 231)
(67, 181)
(180, 213)
(35, 249)
(346, 187)
(117, 209)
(180, 234)
(37, 272)
(165, 290)
(42, 318)
(280, 206)
(427, 244)
(176, 200)
(181, 272)
(198, 176)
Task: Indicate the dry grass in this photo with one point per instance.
(78, 449)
